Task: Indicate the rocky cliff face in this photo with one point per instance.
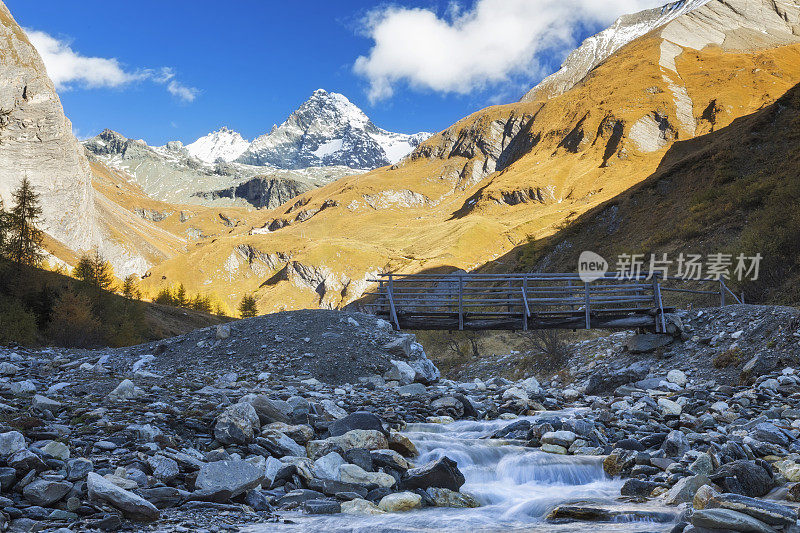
(329, 130)
(36, 141)
(261, 191)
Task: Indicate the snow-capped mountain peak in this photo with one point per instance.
(224, 144)
(328, 129)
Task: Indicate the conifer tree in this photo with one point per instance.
(95, 270)
(248, 307)
(24, 238)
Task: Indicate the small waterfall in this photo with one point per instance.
(516, 486)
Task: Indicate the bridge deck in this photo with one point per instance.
(519, 302)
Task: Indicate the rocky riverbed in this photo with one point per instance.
(236, 427)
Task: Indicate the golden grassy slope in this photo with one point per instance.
(429, 212)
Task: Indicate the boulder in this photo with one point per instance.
(164, 469)
(357, 420)
(442, 473)
(126, 390)
(233, 475)
(46, 493)
(402, 444)
(607, 381)
(647, 342)
(400, 502)
(669, 408)
(449, 498)
(676, 444)
(349, 473)
(637, 488)
(268, 410)
(132, 506)
(400, 372)
(238, 424)
(11, 442)
(677, 377)
(56, 449)
(327, 466)
(744, 477)
(768, 512)
(684, 490)
(361, 507)
(279, 444)
(728, 520)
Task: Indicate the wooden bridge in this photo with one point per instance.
(521, 302)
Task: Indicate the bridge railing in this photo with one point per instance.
(518, 301)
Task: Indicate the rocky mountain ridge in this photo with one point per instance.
(326, 130)
(172, 174)
(731, 24)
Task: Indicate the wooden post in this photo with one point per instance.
(525, 310)
(392, 309)
(586, 305)
(661, 307)
(656, 299)
(461, 283)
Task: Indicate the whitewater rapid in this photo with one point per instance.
(516, 486)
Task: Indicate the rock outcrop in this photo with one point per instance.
(36, 141)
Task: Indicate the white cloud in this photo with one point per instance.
(470, 49)
(69, 69)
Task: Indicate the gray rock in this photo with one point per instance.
(442, 473)
(675, 445)
(269, 410)
(45, 493)
(78, 468)
(744, 477)
(357, 420)
(164, 469)
(11, 442)
(132, 506)
(647, 342)
(234, 475)
(321, 507)
(238, 424)
(684, 490)
(766, 511)
(728, 520)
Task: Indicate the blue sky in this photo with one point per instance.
(164, 70)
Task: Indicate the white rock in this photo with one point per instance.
(668, 407)
(677, 377)
(327, 466)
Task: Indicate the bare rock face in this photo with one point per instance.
(36, 141)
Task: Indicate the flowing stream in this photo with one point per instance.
(516, 487)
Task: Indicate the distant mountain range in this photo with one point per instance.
(326, 138)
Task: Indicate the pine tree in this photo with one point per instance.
(129, 288)
(95, 270)
(24, 245)
(248, 307)
(181, 299)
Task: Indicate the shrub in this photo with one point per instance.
(73, 323)
(727, 358)
(17, 323)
